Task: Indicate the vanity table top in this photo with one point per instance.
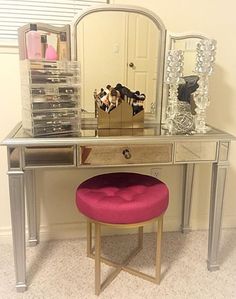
(90, 134)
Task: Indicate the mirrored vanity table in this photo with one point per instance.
(148, 147)
(91, 147)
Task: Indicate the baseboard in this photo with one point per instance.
(63, 231)
(5, 235)
(78, 229)
(202, 222)
(229, 221)
(51, 232)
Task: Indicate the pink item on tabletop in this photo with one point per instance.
(50, 53)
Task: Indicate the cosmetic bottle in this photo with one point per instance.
(62, 46)
(33, 43)
(43, 44)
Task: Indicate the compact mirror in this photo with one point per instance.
(121, 44)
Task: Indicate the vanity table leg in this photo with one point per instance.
(17, 203)
(188, 186)
(33, 237)
(219, 172)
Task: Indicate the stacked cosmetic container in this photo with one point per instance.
(50, 97)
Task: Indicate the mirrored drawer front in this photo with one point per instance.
(49, 156)
(132, 154)
(195, 151)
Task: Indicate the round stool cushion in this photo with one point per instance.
(122, 197)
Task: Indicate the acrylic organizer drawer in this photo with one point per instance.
(195, 151)
(54, 114)
(54, 104)
(121, 155)
(43, 72)
(51, 122)
(56, 129)
(49, 79)
(44, 97)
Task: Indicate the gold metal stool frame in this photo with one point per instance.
(98, 258)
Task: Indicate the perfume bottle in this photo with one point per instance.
(62, 46)
(33, 43)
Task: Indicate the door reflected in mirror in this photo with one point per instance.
(119, 47)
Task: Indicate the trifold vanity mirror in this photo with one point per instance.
(119, 44)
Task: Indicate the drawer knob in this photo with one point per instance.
(126, 154)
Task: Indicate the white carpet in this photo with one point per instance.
(60, 269)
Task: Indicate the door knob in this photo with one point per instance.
(131, 64)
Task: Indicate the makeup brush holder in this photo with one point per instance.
(121, 117)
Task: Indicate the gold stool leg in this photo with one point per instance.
(89, 238)
(96, 254)
(158, 249)
(97, 258)
(140, 237)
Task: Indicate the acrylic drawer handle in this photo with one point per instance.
(126, 154)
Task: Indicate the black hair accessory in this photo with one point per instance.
(186, 89)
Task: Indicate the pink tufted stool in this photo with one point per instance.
(122, 200)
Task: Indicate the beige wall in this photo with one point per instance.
(55, 191)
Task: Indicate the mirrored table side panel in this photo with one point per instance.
(49, 156)
(224, 148)
(196, 151)
(14, 155)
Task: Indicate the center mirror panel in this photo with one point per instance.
(123, 46)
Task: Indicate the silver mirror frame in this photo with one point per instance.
(149, 117)
(170, 40)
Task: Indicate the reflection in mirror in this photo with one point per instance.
(14, 154)
(54, 41)
(188, 44)
(121, 46)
